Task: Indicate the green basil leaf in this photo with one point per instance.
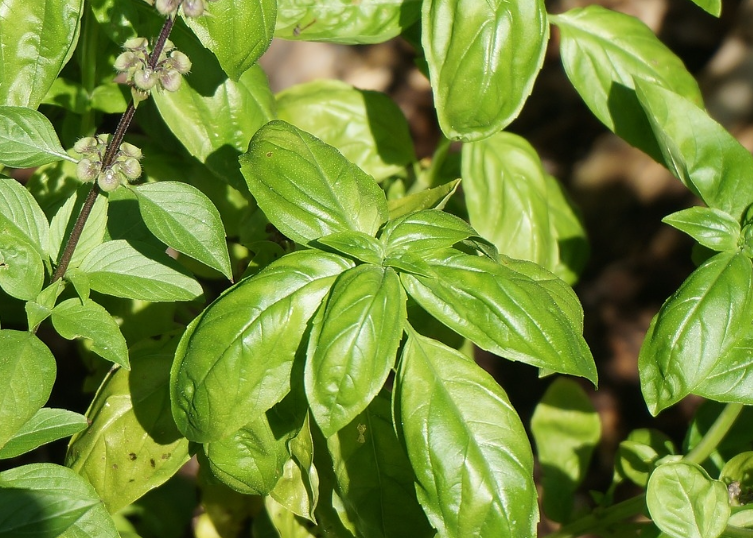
(237, 33)
(68, 95)
(357, 245)
(483, 60)
(45, 426)
(38, 39)
(307, 188)
(434, 198)
(21, 268)
(353, 351)
(601, 60)
(699, 151)
(27, 372)
(64, 220)
(131, 411)
(238, 354)
(685, 502)
(430, 229)
(86, 319)
(637, 455)
(27, 139)
(501, 311)
(47, 501)
(738, 439)
(569, 231)
(138, 271)
(277, 521)
(19, 207)
(731, 379)
(183, 218)
(711, 6)
(374, 476)
(466, 443)
(739, 469)
(506, 191)
(566, 429)
(695, 328)
(368, 21)
(109, 98)
(366, 126)
(41, 307)
(712, 228)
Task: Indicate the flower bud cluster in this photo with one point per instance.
(191, 8)
(125, 168)
(166, 75)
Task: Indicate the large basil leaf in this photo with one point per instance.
(375, 478)
(506, 193)
(352, 351)
(695, 328)
(466, 443)
(27, 372)
(138, 271)
(731, 379)
(27, 138)
(502, 311)
(37, 40)
(65, 218)
(307, 188)
(131, 411)
(237, 33)
(602, 50)
(47, 501)
(19, 207)
(483, 60)
(699, 151)
(343, 21)
(235, 359)
(21, 267)
(45, 426)
(367, 127)
(183, 218)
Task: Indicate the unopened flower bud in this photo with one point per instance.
(167, 7)
(180, 62)
(145, 79)
(126, 61)
(170, 80)
(87, 170)
(129, 150)
(109, 179)
(131, 168)
(193, 8)
(136, 43)
(85, 145)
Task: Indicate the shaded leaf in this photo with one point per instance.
(64, 220)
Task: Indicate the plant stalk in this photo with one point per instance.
(715, 434)
(603, 518)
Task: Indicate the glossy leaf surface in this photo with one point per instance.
(307, 188)
(695, 328)
(424, 230)
(86, 319)
(183, 218)
(18, 206)
(433, 198)
(367, 127)
(353, 351)
(712, 228)
(21, 267)
(685, 503)
(731, 379)
(45, 426)
(483, 59)
(342, 21)
(712, 6)
(237, 33)
(602, 50)
(466, 444)
(28, 139)
(234, 360)
(37, 40)
(502, 311)
(357, 245)
(132, 444)
(138, 271)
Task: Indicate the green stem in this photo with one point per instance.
(715, 434)
(737, 532)
(603, 518)
(88, 62)
(437, 160)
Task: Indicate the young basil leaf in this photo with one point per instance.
(467, 446)
(45, 426)
(27, 139)
(307, 188)
(86, 319)
(29, 65)
(731, 379)
(566, 429)
(602, 50)
(739, 469)
(430, 229)
(501, 311)
(183, 218)
(695, 328)
(138, 271)
(357, 245)
(711, 6)
(65, 218)
(27, 373)
(434, 198)
(699, 151)
(19, 207)
(131, 411)
(569, 231)
(235, 359)
(41, 307)
(637, 455)
(21, 268)
(506, 191)
(375, 478)
(366, 126)
(237, 33)
(215, 117)
(353, 350)
(49, 500)
(483, 60)
(712, 228)
(368, 21)
(685, 502)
